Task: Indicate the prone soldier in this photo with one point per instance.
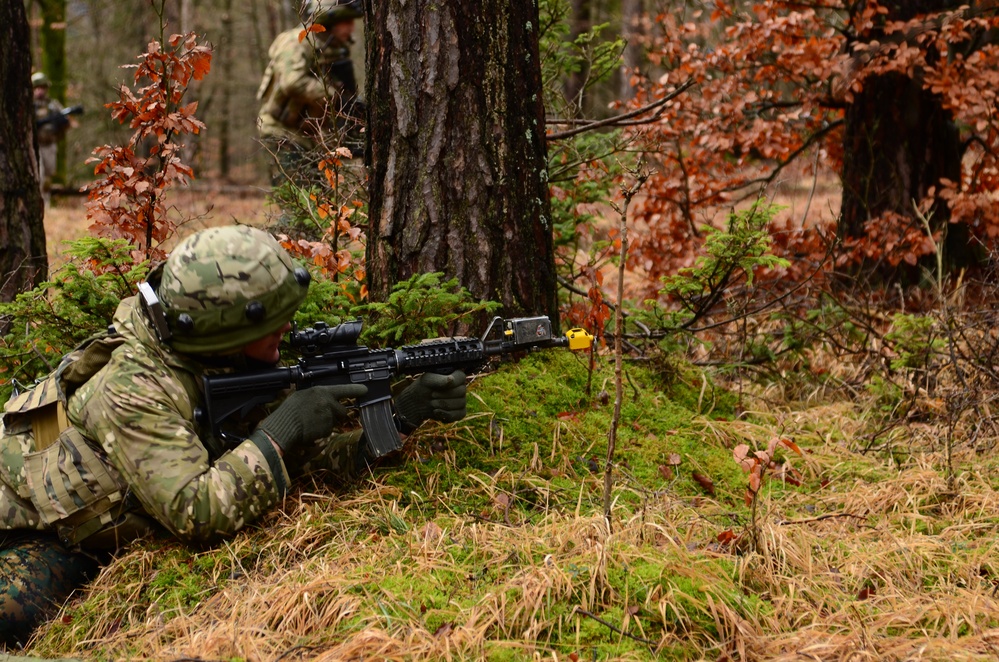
(108, 448)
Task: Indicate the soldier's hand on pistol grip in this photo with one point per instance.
(308, 415)
(440, 397)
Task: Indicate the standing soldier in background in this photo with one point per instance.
(309, 93)
(51, 125)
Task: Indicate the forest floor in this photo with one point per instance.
(192, 209)
(517, 534)
(489, 541)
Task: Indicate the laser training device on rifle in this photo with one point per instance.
(331, 356)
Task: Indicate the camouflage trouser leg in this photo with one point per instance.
(37, 574)
(293, 162)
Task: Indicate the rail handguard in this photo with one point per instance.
(331, 356)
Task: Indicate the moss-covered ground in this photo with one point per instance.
(489, 541)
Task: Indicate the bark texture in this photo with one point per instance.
(899, 142)
(23, 261)
(458, 157)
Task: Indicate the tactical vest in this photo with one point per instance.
(67, 479)
(297, 113)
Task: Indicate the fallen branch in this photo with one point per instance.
(622, 120)
(821, 517)
(580, 610)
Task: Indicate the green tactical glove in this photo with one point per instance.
(440, 397)
(308, 414)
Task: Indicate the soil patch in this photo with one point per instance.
(192, 209)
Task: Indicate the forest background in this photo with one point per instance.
(783, 449)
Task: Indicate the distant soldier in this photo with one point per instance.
(309, 92)
(51, 126)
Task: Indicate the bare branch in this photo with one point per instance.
(621, 120)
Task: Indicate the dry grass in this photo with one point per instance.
(877, 557)
(882, 563)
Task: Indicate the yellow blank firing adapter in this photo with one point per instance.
(579, 339)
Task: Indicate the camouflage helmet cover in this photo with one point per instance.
(328, 12)
(225, 287)
(38, 79)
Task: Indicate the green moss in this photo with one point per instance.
(557, 433)
(528, 458)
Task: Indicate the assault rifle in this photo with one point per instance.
(60, 118)
(331, 356)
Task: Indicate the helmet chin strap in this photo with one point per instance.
(153, 309)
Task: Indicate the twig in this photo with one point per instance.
(580, 610)
(629, 194)
(482, 518)
(820, 518)
(296, 649)
(621, 119)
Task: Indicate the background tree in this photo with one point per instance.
(458, 156)
(241, 36)
(632, 19)
(580, 22)
(900, 138)
(52, 38)
(896, 99)
(23, 260)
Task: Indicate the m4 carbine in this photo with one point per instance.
(60, 118)
(331, 356)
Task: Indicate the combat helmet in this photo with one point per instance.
(328, 12)
(38, 79)
(223, 288)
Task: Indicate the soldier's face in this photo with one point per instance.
(343, 31)
(267, 349)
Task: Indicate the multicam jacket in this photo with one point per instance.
(298, 87)
(49, 133)
(133, 459)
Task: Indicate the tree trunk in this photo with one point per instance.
(581, 20)
(226, 55)
(631, 59)
(458, 177)
(900, 141)
(22, 234)
(53, 44)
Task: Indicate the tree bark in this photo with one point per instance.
(22, 234)
(458, 173)
(226, 56)
(581, 20)
(900, 141)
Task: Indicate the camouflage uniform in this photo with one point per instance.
(132, 460)
(38, 573)
(48, 133)
(107, 448)
(308, 101)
